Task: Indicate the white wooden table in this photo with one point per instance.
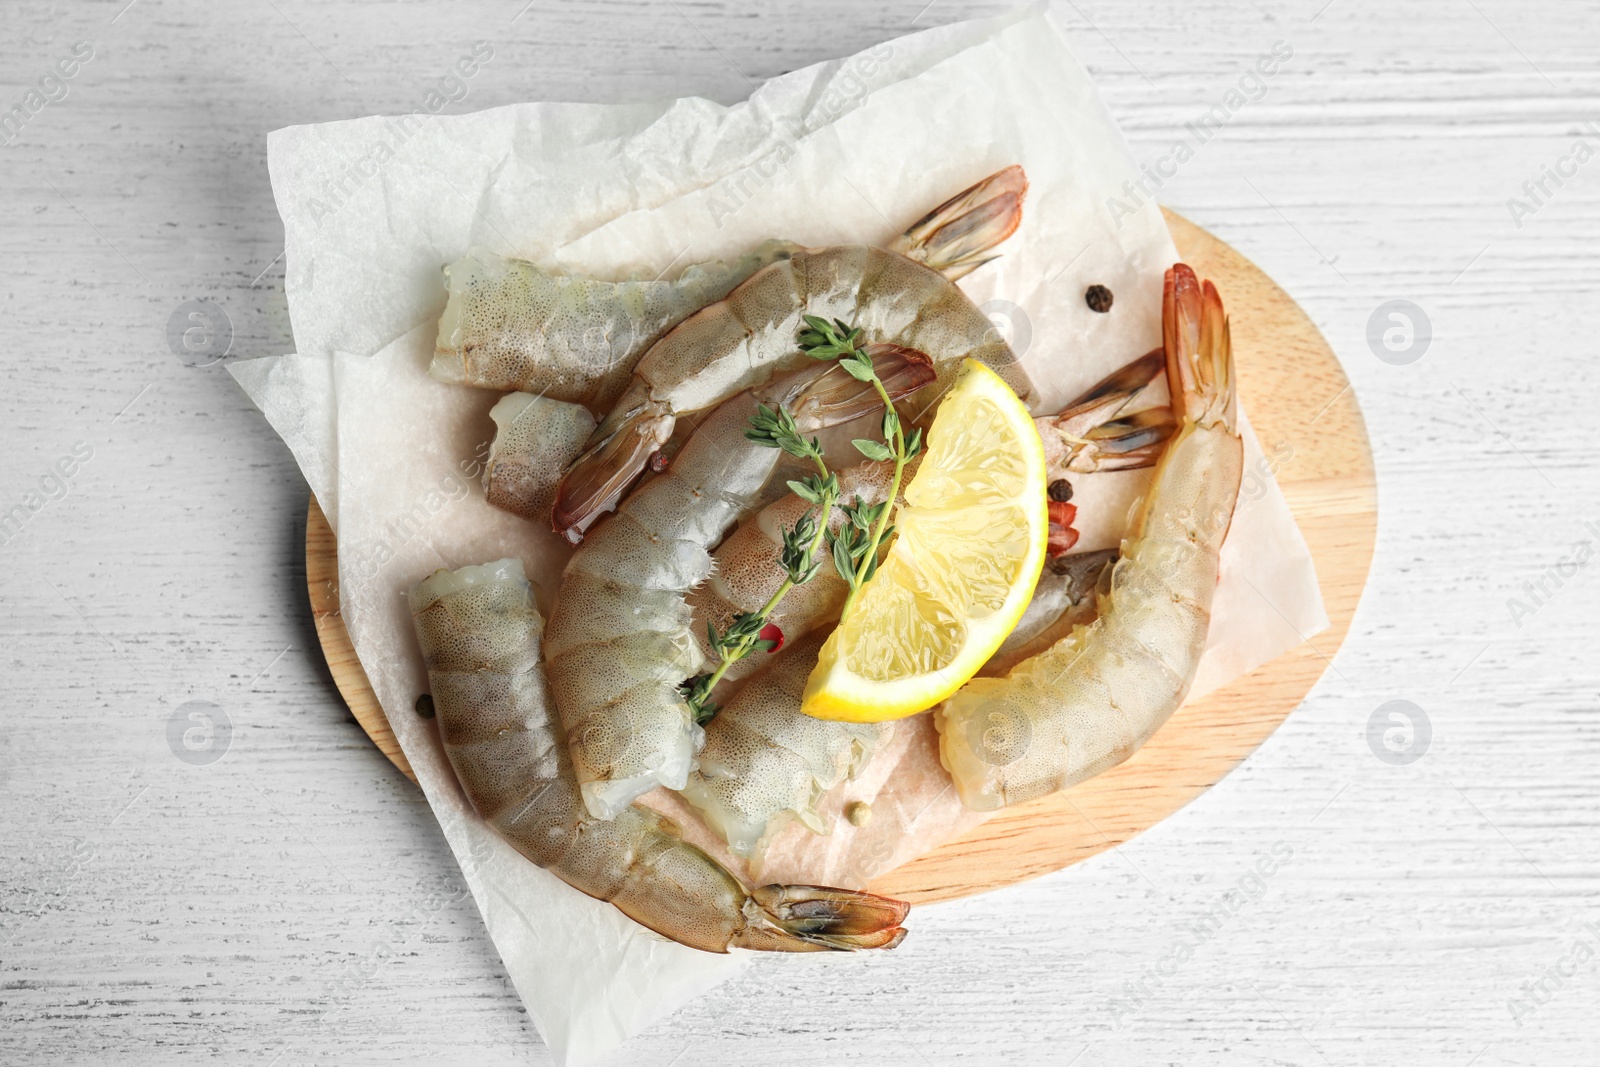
(293, 902)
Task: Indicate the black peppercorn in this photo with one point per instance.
(425, 705)
(1060, 490)
(1098, 298)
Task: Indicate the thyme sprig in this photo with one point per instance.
(776, 428)
(800, 557)
(855, 546)
(853, 549)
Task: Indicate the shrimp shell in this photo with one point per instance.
(535, 438)
(619, 643)
(480, 637)
(1090, 434)
(1095, 697)
(763, 758)
(511, 324)
(893, 296)
(748, 573)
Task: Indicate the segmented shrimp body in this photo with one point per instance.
(896, 297)
(747, 571)
(512, 324)
(1089, 434)
(480, 636)
(763, 759)
(1064, 598)
(1092, 699)
(619, 642)
(535, 438)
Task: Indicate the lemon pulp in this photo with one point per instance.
(969, 546)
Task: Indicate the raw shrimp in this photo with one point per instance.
(619, 644)
(511, 324)
(535, 438)
(1090, 434)
(740, 341)
(763, 758)
(1093, 698)
(1063, 599)
(748, 572)
(480, 636)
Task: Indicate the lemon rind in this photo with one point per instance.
(842, 694)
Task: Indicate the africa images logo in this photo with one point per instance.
(52, 88)
(53, 485)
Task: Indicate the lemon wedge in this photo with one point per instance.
(960, 572)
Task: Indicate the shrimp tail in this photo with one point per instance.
(1091, 699)
(618, 451)
(823, 395)
(1131, 441)
(954, 237)
(1198, 350)
(1114, 392)
(832, 397)
(1092, 434)
(808, 918)
(481, 639)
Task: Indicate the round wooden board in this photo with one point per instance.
(1299, 399)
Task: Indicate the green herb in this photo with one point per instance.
(854, 549)
(799, 557)
(829, 340)
(777, 429)
(855, 546)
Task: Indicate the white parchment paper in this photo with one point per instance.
(848, 151)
